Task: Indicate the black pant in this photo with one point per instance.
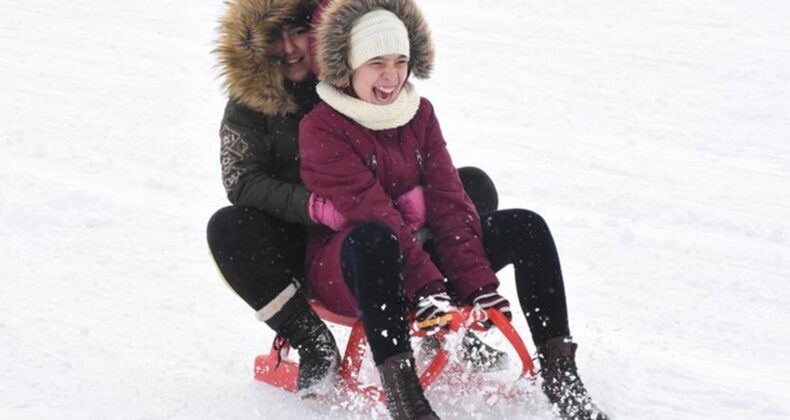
(371, 267)
(260, 255)
(371, 263)
(522, 238)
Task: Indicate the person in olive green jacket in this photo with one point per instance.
(259, 242)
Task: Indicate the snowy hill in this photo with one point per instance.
(652, 136)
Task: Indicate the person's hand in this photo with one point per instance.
(433, 304)
(412, 207)
(487, 297)
(323, 211)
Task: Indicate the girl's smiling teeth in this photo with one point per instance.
(292, 60)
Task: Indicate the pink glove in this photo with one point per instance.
(412, 207)
(323, 212)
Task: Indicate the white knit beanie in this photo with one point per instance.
(377, 33)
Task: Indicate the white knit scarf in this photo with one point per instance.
(371, 116)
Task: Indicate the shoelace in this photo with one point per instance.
(279, 343)
(413, 390)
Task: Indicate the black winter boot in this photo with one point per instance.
(319, 359)
(476, 355)
(405, 397)
(561, 381)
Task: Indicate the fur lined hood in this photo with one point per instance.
(249, 65)
(333, 41)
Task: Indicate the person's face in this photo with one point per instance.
(380, 79)
(294, 48)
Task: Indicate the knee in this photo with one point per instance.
(534, 225)
(531, 217)
(221, 223)
(370, 257)
(480, 188)
(521, 222)
(239, 224)
(373, 237)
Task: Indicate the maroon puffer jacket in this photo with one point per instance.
(362, 171)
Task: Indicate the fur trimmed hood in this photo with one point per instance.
(333, 41)
(250, 67)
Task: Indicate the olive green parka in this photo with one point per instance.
(260, 128)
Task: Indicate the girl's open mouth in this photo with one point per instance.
(383, 94)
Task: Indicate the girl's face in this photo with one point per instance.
(380, 79)
(294, 48)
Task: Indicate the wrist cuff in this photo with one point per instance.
(433, 288)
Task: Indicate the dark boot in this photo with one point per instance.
(476, 355)
(319, 358)
(561, 381)
(405, 397)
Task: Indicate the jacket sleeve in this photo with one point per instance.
(332, 169)
(452, 217)
(247, 168)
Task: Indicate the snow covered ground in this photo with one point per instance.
(652, 135)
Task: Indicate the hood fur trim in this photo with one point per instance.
(249, 65)
(333, 41)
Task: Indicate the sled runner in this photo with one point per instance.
(275, 369)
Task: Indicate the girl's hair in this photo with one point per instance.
(302, 17)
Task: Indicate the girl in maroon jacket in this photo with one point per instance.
(373, 155)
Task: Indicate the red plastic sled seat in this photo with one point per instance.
(275, 369)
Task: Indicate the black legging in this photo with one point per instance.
(371, 267)
(258, 254)
(522, 238)
(371, 262)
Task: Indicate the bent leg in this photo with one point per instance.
(262, 260)
(522, 238)
(371, 266)
(259, 255)
(480, 189)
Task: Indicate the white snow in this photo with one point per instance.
(652, 135)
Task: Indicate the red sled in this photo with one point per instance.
(275, 369)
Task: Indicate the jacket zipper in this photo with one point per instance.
(418, 155)
(372, 163)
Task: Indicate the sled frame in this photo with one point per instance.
(275, 369)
